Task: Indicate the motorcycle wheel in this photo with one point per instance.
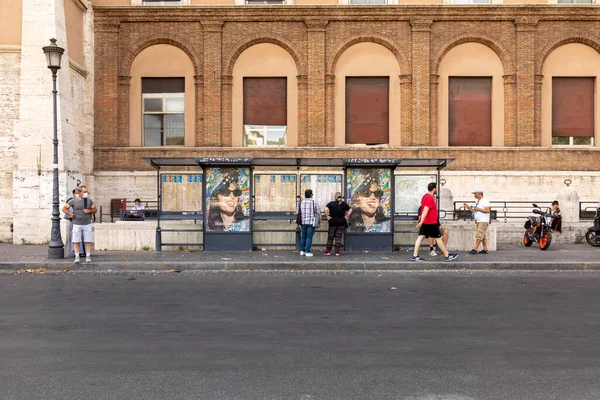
(526, 241)
(545, 240)
(592, 238)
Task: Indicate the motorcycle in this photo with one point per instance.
(537, 229)
(593, 233)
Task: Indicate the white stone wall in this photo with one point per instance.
(32, 186)
(10, 65)
(121, 184)
(522, 185)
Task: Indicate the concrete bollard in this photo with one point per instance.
(568, 200)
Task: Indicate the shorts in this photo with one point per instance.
(430, 231)
(480, 232)
(85, 230)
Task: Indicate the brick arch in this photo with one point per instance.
(230, 59)
(137, 47)
(543, 55)
(497, 47)
(371, 38)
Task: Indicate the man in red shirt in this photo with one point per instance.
(428, 224)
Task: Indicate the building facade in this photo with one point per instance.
(510, 91)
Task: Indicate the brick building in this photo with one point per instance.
(507, 90)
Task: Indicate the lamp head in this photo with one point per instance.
(53, 54)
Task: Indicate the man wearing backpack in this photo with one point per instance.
(83, 211)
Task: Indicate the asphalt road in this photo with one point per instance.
(397, 335)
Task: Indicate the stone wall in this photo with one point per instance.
(32, 183)
(10, 65)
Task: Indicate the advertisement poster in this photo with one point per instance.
(227, 199)
(274, 193)
(323, 186)
(181, 192)
(409, 191)
(369, 191)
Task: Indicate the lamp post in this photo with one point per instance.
(56, 248)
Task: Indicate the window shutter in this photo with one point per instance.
(265, 101)
(367, 110)
(573, 107)
(163, 85)
(470, 111)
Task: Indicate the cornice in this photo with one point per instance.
(298, 13)
(77, 68)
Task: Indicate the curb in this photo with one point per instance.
(177, 266)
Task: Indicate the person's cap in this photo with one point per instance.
(477, 191)
(137, 201)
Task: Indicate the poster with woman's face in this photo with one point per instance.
(369, 191)
(227, 199)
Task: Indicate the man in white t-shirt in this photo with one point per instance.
(481, 213)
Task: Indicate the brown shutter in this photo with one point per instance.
(573, 107)
(265, 101)
(470, 111)
(163, 85)
(367, 110)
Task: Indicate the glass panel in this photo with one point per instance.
(560, 140)
(152, 104)
(358, 1)
(276, 135)
(582, 141)
(583, 1)
(482, 2)
(153, 122)
(174, 121)
(152, 138)
(174, 129)
(175, 104)
(565, 1)
(461, 2)
(377, 2)
(174, 137)
(255, 135)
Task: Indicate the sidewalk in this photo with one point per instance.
(559, 257)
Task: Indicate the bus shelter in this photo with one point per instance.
(248, 203)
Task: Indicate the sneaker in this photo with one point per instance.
(451, 256)
(302, 253)
(309, 254)
(77, 260)
(88, 259)
(337, 254)
(482, 252)
(472, 251)
(327, 254)
(417, 258)
(432, 253)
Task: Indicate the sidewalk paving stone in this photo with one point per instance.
(562, 257)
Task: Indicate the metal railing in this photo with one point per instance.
(511, 210)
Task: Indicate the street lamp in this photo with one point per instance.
(56, 248)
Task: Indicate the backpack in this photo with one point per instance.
(85, 206)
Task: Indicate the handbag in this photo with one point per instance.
(299, 218)
(316, 221)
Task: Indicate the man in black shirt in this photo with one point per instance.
(336, 215)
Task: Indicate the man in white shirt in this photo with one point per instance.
(136, 211)
(481, 213)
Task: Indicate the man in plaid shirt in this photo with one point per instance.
(308, 207)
